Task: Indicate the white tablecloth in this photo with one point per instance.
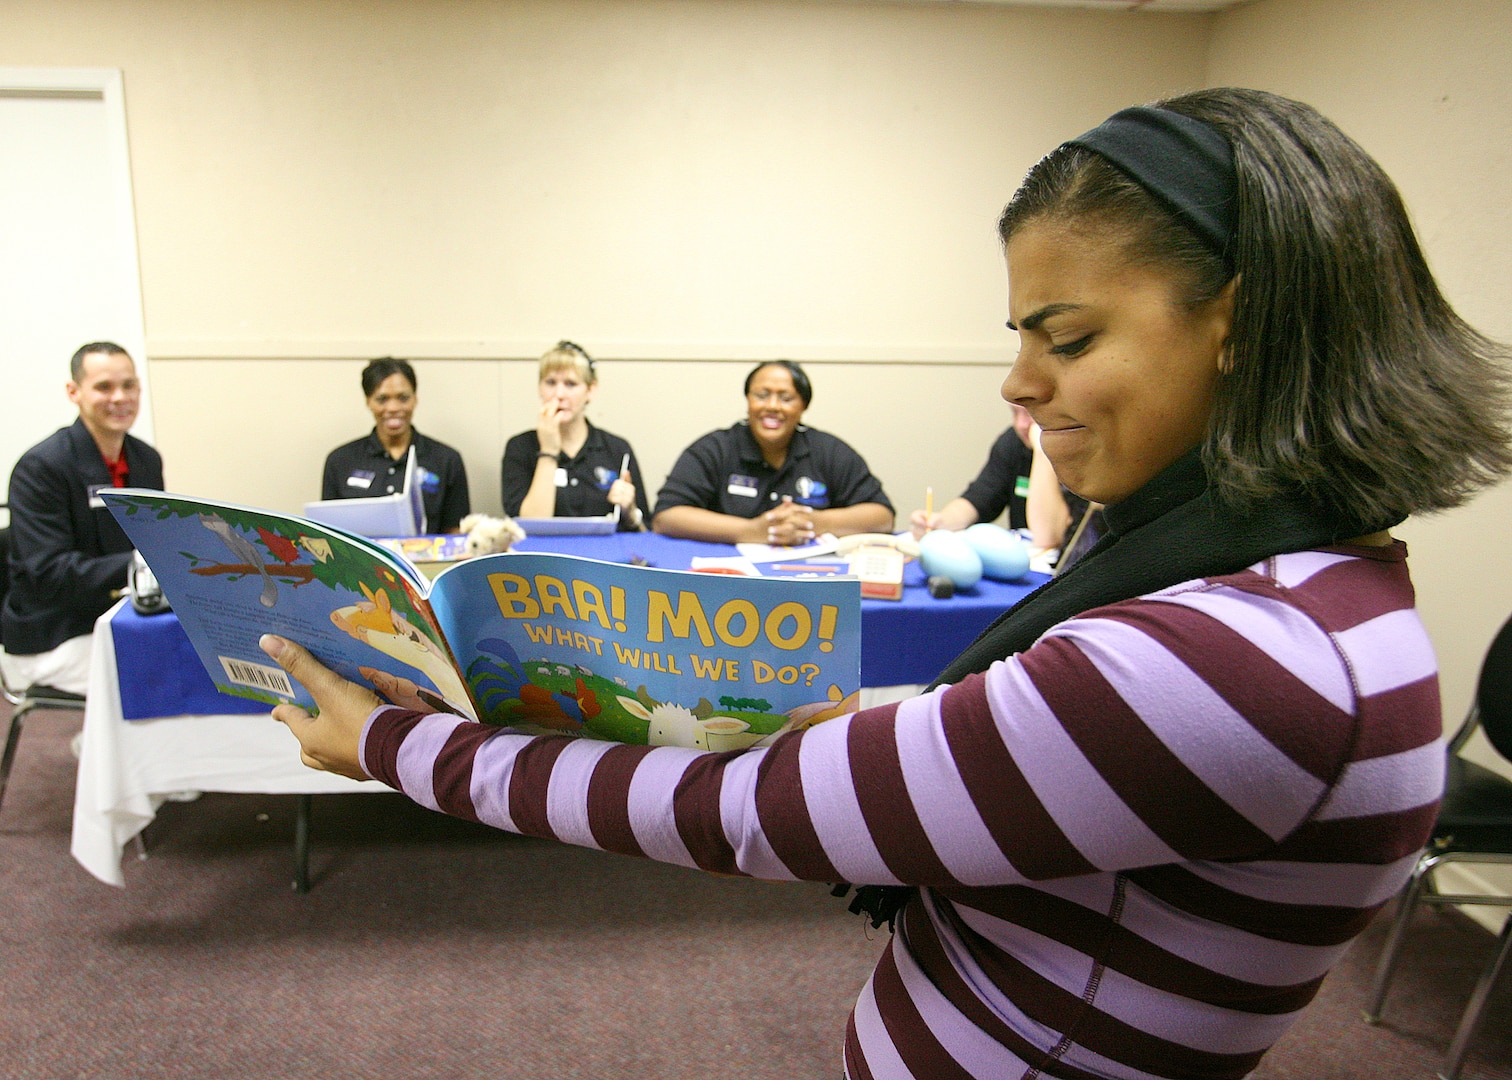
(128, 768)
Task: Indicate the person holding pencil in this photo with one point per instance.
(567, 467)
(1018, 478)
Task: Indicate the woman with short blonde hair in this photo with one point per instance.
(567, 467)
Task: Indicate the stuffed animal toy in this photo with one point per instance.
(487, 535)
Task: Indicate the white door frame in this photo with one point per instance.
(106, 85)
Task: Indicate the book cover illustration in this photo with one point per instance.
(645, 655)
(543, 642)
(233, 574)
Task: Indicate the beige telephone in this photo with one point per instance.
(877, 560)
(905, 543)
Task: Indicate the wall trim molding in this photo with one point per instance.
(171, 349)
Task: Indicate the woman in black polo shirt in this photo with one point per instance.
(768, 479)
(374, 464)
(567, 467)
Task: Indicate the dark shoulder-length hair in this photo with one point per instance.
(1349, 376)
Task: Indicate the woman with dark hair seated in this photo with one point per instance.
(769, 479)
(374, 464)
(1134, 824)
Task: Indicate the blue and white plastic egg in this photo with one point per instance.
(1004, 556)
(944, 553)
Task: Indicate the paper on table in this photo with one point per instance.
(599, 525)
(1043, 560)
(760, 553)
(730, 564)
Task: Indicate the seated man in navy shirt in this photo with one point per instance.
(68, 557)
(768, 479)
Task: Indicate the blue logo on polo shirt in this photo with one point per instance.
(429, 481)
(811, 492)
(605, 477)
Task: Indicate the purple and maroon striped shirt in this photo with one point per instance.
(1141, 843)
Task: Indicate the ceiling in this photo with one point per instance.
(1109, 5)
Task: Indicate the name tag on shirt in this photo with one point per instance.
(1021, 487)
(561, 477)
(95, 502)
(362, 480)
(742, 485)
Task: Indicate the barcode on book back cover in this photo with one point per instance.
(258, 676)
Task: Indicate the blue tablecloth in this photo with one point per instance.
(902, 641)
(161, 674)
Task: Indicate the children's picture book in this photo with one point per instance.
(429, 554)
(537, 641)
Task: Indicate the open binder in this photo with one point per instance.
(399, 514)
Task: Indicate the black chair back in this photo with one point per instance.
(4, 570)
(1493, 693)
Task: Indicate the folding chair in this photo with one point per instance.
(1474, 826)
(32, 698)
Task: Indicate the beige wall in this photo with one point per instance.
(686, 185)
(680, 186)
(1422, 84)
(247, 426)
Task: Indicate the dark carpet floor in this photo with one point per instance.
(431, 948)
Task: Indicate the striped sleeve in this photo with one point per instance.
(1311, 771)
(1194, 725)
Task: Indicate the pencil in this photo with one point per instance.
(929, 502)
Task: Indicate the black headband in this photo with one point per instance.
(1185, 163)
(573, 347)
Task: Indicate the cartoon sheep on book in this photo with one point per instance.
(674, 725)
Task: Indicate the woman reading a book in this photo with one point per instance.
(374, 464)
(567, 467)
(1140, 817)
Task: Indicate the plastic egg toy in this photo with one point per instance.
(947, 554)
(1004, 556)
